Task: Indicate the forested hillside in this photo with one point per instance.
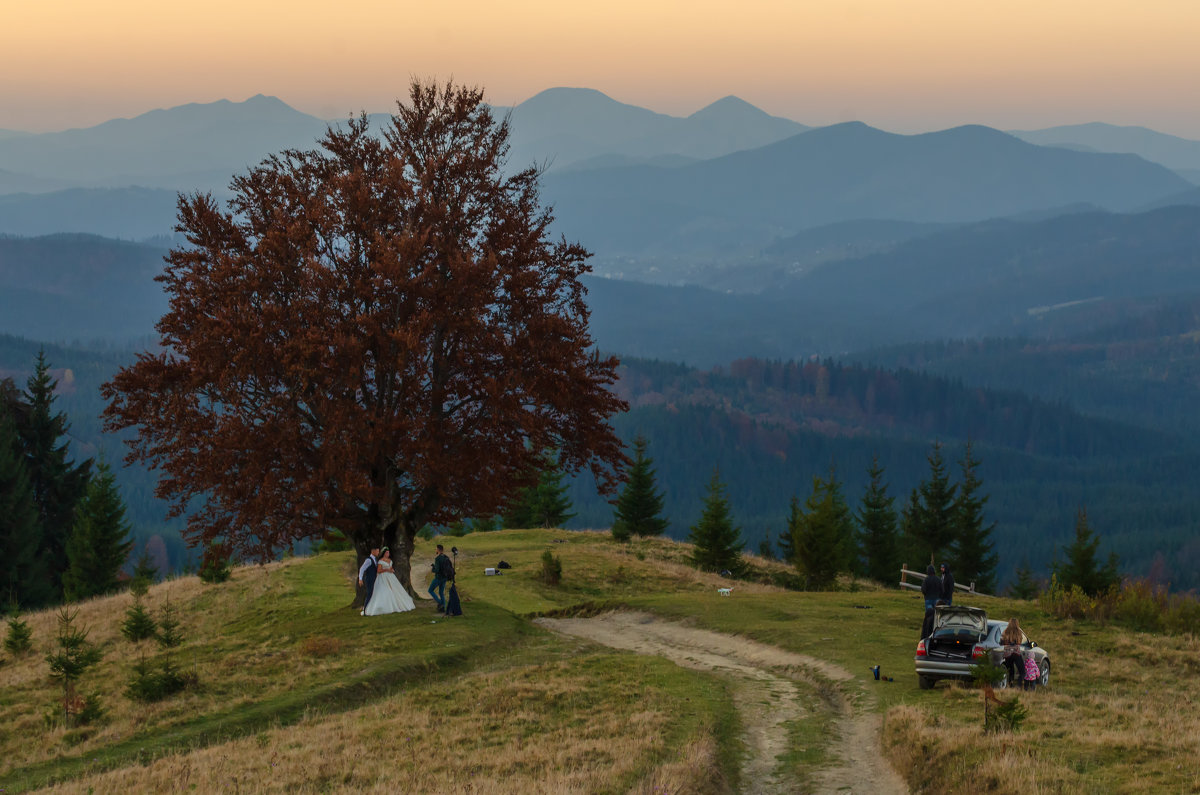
(79, 374)
(1143, 369)
(772, 427)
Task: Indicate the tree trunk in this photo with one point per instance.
(405, 541)
(361, 550)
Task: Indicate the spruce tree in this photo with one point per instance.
(821, 535)
(639, 508)
(1025, 586)
(73, 656)
(19, 637)
(929, 530)
(877, 528)
(100, 540)
(1081, 568)
(138, 625)
(544, 504)
(22, 573)
(974, 560)
(717, 543)
(58, 483)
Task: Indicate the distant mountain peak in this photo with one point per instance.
(726, 106)
(570, 96)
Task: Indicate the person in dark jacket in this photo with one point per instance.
(931, 589)
(947, 585)
(927, 624)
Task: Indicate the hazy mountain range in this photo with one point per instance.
(1056, 276)
(1179, 154)
(647, 192)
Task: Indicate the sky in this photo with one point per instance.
(905, 66)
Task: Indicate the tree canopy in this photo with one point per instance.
(376, 334)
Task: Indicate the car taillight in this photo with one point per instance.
(978, 653)
(920, 648)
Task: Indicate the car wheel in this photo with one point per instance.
(1044, 679)
(925, 683)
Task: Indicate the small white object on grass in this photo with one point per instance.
(724, 591)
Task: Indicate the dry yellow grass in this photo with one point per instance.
(1122, 716)
(545, 729)
(233, 668)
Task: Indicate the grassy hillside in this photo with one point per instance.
(299, 693)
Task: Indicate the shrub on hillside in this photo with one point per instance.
(1138, 604)
(154, 683)
(551, 568)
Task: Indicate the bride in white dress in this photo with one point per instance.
(389, 595)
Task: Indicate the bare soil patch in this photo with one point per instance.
(767, 700)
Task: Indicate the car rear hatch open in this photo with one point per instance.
(956, 630)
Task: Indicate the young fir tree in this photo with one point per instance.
(58, 483)
(1025, 587)
(169, 635)
(877, 528)
(639, 508)
(100, 540)
(70, 660)
(22, 574)
(1081, 568)
(717, 543)
(19, 637)
(928, 529)
(823, 537)
(138, 624)
(544, 504)
(973, 557)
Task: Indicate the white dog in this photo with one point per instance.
(724, 591)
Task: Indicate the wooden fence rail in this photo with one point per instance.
(916, 586)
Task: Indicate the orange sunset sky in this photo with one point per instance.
(904, 66)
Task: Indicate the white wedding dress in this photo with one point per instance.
(389, 595)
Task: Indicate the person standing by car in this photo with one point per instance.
(931, 589)
(1011, 639)
(947, 585)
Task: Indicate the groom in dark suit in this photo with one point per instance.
(366, 577)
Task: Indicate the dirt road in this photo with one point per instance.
(767, 699)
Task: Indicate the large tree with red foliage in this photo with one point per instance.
(377, 334)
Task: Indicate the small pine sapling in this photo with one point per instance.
(138, 624)
(1007, 716)
(19, 639)
(169, 635)
(156, 681)
(73, 656)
